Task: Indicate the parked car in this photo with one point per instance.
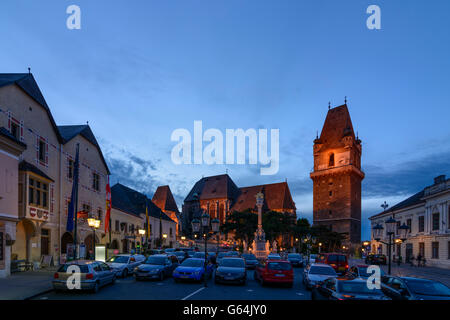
(233, 254)
(360, 271)
(296, 259)
(231, 270)
(171, 250)
(220, 256)
(317, 272)
(93, 275)
(192, 269)
(376, 259)
(417, 288)
(274, 256)
(274, 271)
(312, 258)
(181, 255)
(250, 260)
(346, 289)
(338, 261)
(158, 266)
(124, 264)
(155, 251)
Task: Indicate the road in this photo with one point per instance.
(129, 289)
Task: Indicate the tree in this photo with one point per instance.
(243, 224)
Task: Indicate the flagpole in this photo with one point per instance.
(76, 169)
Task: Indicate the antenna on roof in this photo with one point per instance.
(329, 105)
(87, 122)
(29, 70)
(317, 134)
(345, 100)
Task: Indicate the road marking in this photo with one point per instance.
(299, 294)
(250, 290)
(195, 292)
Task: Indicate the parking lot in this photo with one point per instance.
(129, 289)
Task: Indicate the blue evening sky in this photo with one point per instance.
(137, 70)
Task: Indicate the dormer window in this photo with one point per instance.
(331, 161)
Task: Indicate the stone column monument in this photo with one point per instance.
(259, 245)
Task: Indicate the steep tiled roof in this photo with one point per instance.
(411, 201)
(27, 83)
(132, 201)
(71, 131)
(220, 186)
(26, 166)
(163, 198)
(276, 197)
(337, 125)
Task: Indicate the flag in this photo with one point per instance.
(74, 195)
(108, 206)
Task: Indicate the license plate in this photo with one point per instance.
(184, 277)
(279, 275)
(341, 268)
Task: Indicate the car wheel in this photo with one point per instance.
(161, 276)
(95, 288)
(113, 281)
(176, 280)
(125, 273)
(244, 282)
(290, 285)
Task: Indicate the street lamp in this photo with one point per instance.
(390, 230)
(142, 233)
(205, 226)
(320, 246)
(94, 224)
(215, 226)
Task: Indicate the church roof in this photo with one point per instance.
(277, 196)
(134, 202)
(214, 187)
(337, 125)
(71, 131)
(28, 84)
(163, 198)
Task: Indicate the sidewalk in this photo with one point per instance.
(23, 285)
(406, 270)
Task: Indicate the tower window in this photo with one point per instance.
(331, 162)
(330, 193)
(330, 213)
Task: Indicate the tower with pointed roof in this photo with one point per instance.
(337, 176)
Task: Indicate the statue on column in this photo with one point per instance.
(260, 250)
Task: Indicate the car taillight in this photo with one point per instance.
(56, 275)
(333, 265)
(89, 276)
(346, 266)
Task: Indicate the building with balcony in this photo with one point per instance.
(427, 214)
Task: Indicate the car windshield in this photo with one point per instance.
(232, 253)
(193, 263)
(233, 263)
(294, 255)
(118, 259)
(279, 266)
(83, 268)
(156, 260)
(200, 255)
(359, 287)
(313, 256)
(336, 258)
(179, 253)
(329, 271)
(249, 256)
(429, 288)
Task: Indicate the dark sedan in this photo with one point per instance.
(250, 260)
(231, 270)
(346, 289)
(295, 259)
(417, 288)
(158, 266)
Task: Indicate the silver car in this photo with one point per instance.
(93, 275)
(124, 264)
(317, 272)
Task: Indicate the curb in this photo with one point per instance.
(38, 294)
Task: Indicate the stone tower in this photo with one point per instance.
(337, 176)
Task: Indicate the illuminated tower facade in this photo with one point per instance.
(337, 176)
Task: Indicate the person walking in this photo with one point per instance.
(419, 259)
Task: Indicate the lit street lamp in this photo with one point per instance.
(94, 224)
(206, 228)
(142, 233)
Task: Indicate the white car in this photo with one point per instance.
(312, 258)
(124, 264)
(315, 273)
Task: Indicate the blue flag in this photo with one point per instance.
(73, 198)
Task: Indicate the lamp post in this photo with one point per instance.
(205, 226)
(320, 246)
(390, 230)
(164, 237)
(94, 224)
(142, 233)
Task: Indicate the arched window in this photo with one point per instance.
(331, 162)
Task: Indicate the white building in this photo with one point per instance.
(427, 213)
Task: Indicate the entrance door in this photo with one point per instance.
(409, 251)
(45, 242)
